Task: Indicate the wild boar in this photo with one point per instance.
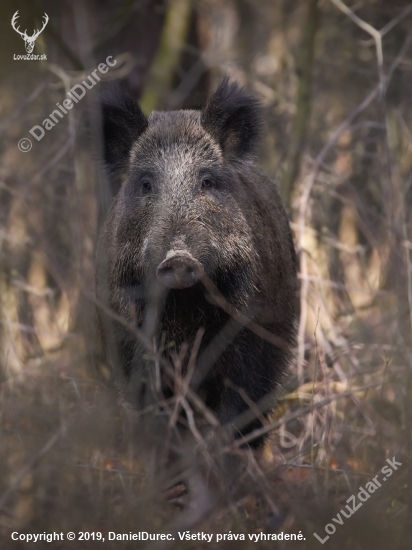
(197, 239)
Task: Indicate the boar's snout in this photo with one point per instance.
(179, 270)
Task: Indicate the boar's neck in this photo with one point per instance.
(187, 311)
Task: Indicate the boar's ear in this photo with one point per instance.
(234, 118)
(123, 122)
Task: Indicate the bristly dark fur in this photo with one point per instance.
(234, 118)
(235, 228)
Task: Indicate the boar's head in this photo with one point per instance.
(180, 211)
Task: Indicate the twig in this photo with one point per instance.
(303, 314)
(240, 317)
(376, 35)
(398, 59)
(198, 403)
(249, 402)
(389, 26)
(314, 381)
(296, 414)
(192, 424)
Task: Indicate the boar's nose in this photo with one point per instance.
(179, 271)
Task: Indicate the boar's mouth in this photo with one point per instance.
(179, 270)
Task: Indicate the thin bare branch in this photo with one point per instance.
(376, 35)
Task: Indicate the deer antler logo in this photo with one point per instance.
(29, 40)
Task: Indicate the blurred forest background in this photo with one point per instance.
(335, 79)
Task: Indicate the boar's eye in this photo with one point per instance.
(146, 184)
(207, 182)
